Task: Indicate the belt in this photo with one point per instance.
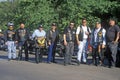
(70, 41)
(84, 38)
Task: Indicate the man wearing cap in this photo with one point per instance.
(22, 35)
(69, 39)
(98, 42)
(40, 34)
(10, 41)
(52, 39)
(112, 37)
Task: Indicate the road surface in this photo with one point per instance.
(29, 70)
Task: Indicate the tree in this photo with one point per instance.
(35, 12)
(7, 12)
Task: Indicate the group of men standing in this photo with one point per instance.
(103, 40)
(100, 38)
(20, 37)
(12, 38)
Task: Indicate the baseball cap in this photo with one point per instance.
(54, 24)
(40, 26)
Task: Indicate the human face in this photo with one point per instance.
(53, 27)
(84, 22)
(72, 25)
(10, 27)
(112, 22)
(40, 28)
(97, 25)
(22, 25)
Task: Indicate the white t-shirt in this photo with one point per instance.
(85, 36)
(38, 33)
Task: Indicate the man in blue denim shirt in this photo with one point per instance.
(98, 42)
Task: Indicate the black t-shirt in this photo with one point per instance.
(70, 34)
(9, 35)
(22, 34)
(112, 33)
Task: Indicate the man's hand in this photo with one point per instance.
(103, 46)
(87, 33)
(12, 32)
(114, 42)
(65, 43)
(16, 42)
(49, 43)
(6, 43)
(78, 42)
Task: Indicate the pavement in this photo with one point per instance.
(29, 70)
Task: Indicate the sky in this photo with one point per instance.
(2, 0)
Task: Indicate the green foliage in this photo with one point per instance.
(35, 12)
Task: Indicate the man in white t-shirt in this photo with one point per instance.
(39, 34)
(82, 34)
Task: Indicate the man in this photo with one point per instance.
(10, 41)
(22, 36)
(82, 34)
(98, 42)
(2, 40)
(52, 39)
(112, 37)
(69, 39)
(40, 34)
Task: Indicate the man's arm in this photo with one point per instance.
(33, 35)
(118, 31)
(77, 35)
(64, 38)
(48, 37)
(28, 33)
(104, 38)
(5, 36)
(117, 38)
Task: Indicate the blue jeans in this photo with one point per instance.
(21, 44)
(50, 50)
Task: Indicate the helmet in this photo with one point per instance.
(10, 24)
